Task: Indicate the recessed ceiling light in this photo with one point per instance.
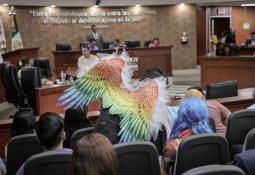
(5, 4)
(247, 5)
(52, 6)
(95, 6)
(137, 5)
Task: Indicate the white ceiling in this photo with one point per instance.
(84, 3)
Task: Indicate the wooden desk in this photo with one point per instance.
(215, 69)
(5, 134)
(2, 90)
(14, 56)
(46, 98)
(247, 50)
(147, 58)
(244, 99)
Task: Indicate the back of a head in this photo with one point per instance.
(50, 130)
(75, 119)
(194, 93)
(94, 154)
(152, 73)
(23, 123)
(192, 114)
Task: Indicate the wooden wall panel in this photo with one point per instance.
(215, 69)
(239, 16)
(201, 31)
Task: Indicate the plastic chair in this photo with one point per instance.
(77, 135)
(137, 158)
(48, 163)
(215, 170)
(239, 124)
(200, 150)
(249, 142)
(19, 149)
(31, 79)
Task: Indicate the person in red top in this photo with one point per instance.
(155, 42)
(192, 119)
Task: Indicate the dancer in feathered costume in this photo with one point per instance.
(141, 107)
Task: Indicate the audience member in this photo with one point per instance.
(115, 45)
(231, 37)
(108, 124)
(86, 62)
(245, 161)
(226, 50)
(50, 133)
(92, 44)
(74, 119)
(251, 41)
(222, 37)
(2, 167)
(155, 42)
(23, 123)
(220, 49)
(192, 120)
(234, 50)
(93, 34)
(22, 64)
(213, 42)
(217, 111)
(93, 154)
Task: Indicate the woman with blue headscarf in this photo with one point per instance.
(192, 119)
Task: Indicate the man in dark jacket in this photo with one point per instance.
(245, 161)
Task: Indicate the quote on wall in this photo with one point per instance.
(59, 16)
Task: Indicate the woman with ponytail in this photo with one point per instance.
(192, 119)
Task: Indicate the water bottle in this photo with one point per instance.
(62, 75)
(71, 80)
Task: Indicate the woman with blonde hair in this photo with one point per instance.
(93, 155)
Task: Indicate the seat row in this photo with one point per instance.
(193, 152)
(17, 91)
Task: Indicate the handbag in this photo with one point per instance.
(222, 89)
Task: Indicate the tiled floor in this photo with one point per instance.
(182, 79)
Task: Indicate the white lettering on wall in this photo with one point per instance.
(91, 17)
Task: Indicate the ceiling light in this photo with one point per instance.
(95, 6)
(182, 3)
(52, 6)
(5, 4)
(247, 5)
(137, 5)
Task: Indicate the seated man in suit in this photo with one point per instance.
(251, 41)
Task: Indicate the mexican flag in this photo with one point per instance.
(16, 42)
(2, 37)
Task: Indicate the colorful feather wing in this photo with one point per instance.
(105, 76)
(135, 109)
